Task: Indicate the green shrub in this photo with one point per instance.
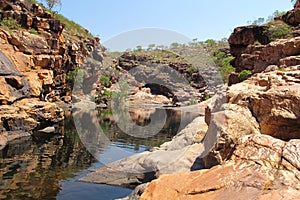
(243, 75)
(192, 69)
(223, 63)
(206, 97)
(211, 42)
(278, 30)
(77, 74)
(10, 23)
(71, 26)
(192, 101)
(33, 31)
(105, 81)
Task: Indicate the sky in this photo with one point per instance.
(191, 19)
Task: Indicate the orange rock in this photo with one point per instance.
(243, 177)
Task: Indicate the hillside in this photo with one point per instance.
(182, 73)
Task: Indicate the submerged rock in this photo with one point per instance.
(49, 129)
(26, 115)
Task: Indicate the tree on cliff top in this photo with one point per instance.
(52, 3)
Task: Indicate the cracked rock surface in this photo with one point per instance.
(262, 167)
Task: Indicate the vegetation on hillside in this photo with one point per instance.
(72, 28)
(9, 23)
(277, 29)
(160, 56)
(198, 55)
(270, 18)
(223, 63)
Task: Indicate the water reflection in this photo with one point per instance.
(31, 168)
(175, 121)
(47, 166)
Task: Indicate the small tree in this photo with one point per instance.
(259, 21)
(52, 3)
(151, 46)
(174, 45)
(139, 48)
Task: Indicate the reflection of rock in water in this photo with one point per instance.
(90, 132)
(32, 168)
(141, 116)
(137, 119)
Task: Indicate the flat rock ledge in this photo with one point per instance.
(261, 167)
(178, 155)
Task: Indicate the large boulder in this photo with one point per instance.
(255, 171)
(273, 99)
(29, 114)
(246, 35)
(292, 17)
(225, 128)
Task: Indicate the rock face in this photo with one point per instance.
(246, 35)
(292, 17)
(273, 99)
(28, 114)
(34, 62)
(33, 53)
(176, 79)
(251, 145)
(253, 49)
(257, 58)
(261, 167)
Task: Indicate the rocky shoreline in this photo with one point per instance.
(249, 146)
(244, 144)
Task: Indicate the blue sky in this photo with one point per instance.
(191, 18)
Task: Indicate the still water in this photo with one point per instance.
(48, 166)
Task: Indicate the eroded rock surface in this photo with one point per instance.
(255, 171)
(273, 99)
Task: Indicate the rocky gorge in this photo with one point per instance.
(242, 144)
(255, 158)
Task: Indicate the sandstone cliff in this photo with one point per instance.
(37, 52)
